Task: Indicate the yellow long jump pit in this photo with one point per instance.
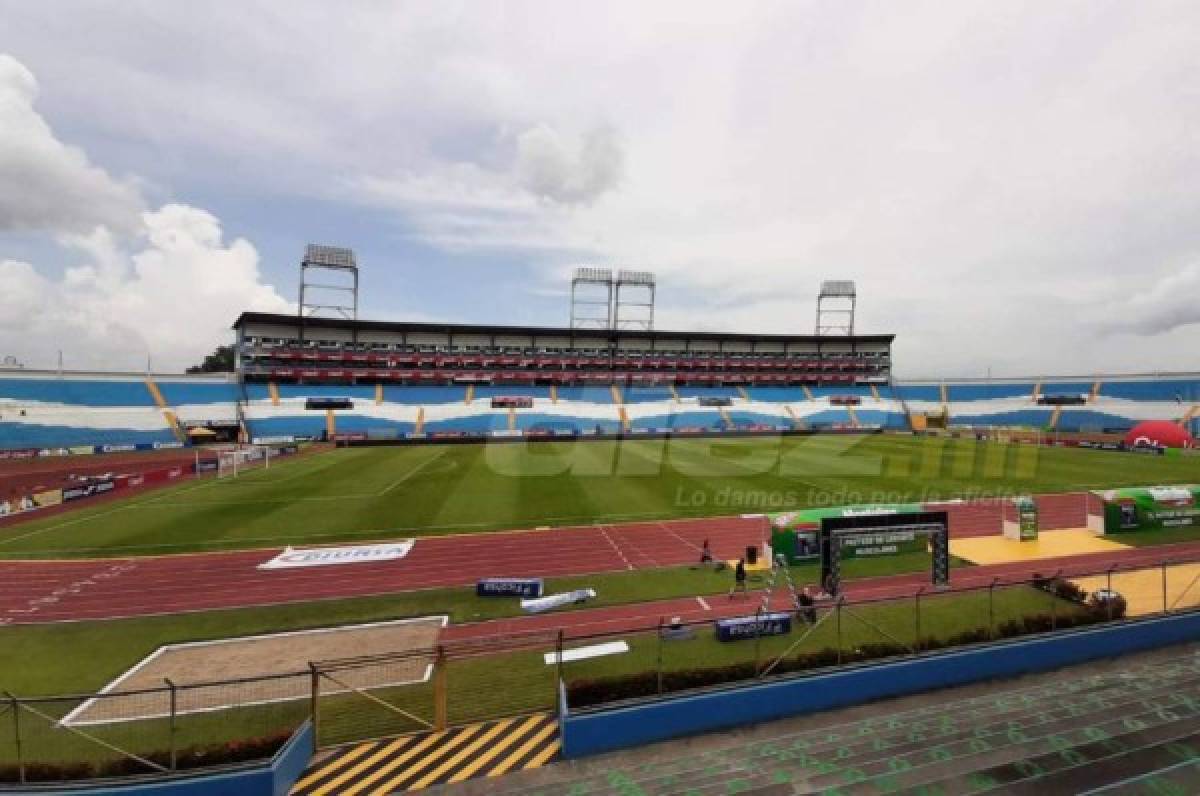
(275, 664)
(1049, 544)
(1151, 590)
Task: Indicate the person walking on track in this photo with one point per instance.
(739, 578)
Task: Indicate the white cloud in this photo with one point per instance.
(1171, 303)
(158, 283)
(1002, 180)
(171, 297)
(45, 184)
(553, 167)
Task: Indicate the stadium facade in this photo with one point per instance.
(304, 377)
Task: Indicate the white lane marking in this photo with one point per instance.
(703, 603)
(609, 539)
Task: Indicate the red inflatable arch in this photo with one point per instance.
(1162, 433)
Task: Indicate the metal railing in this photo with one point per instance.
(178, 726)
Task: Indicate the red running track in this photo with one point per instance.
(642, 617)
(48, 591)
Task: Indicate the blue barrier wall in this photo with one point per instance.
(666, 718)
(269, 779)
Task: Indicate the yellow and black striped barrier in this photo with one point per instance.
(412, 762)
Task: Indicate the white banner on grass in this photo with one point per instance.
(324, 556)
(538, 605)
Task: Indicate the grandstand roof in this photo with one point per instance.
(470, 328)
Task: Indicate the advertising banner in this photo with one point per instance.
(884, 543)
(1150, 508)
(743, 627)
(794, 533)
(509, 587)
(19, 453)
(326, 556)
(87, 490)
(1027, 518)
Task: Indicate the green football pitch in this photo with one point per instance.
(387, 492)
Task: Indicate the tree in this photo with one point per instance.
(219, 361)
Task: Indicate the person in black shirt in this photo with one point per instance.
(739, 578)
(804, 606)
(705, 554)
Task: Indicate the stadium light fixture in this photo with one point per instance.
(338, 264)
(835, 307)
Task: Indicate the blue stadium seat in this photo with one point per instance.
(985, 392)
(688, 391)
(861, 390)
(361, 392)
(637, 395)
(181, 393)
(595, 395)
(80, 392)
(1165, 390)
(424, 396)
(783, 395)
(918, 392)
(744, 418)
(27, 435)
(499, 390)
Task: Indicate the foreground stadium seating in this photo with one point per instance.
(1136, 725)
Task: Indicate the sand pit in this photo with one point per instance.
(274, 666)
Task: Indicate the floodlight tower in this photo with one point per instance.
(634, 311)
(835, 307)
(592, 298)
(341, 265)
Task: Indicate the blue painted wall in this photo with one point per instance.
(272, 779)
(676, 717)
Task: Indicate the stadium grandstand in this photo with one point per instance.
(285, 388)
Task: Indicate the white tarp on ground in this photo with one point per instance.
(592, 651)
(291, 558)
(538, 605)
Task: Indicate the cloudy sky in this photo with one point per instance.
(1014, 186)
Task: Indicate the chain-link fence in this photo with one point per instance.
(183, 726)
(149, 730)
(677, 655)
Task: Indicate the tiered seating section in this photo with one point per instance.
(46, 409)
(448, 411)
(1130, 729)
(408, 364)
(1112, 404)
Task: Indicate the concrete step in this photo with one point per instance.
(893, 730)
(1175, 780)
(982, 772)
(1096, 763)
(972, 737)
(762, 762)
(774, 764)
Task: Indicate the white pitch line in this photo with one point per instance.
(609, 539)
(412, 472)
(703, 603)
